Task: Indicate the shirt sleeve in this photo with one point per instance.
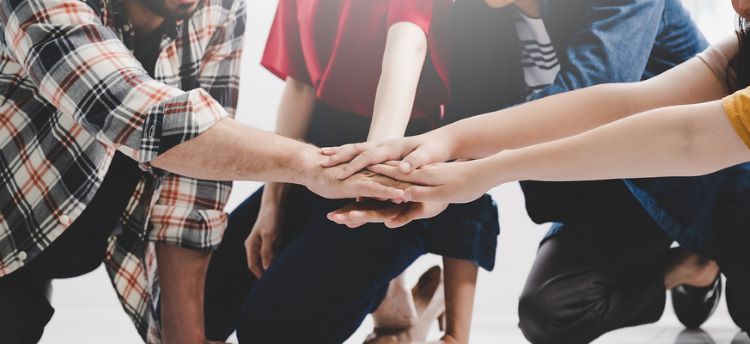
(612, 45)
(190, 212)
(737, 108)
(81, 67)
(718, 56)
(418, 12)
(283, 55)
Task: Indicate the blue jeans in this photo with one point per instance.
(322, 283)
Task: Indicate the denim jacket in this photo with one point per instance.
(596, 41)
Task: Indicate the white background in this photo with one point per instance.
(87, 310)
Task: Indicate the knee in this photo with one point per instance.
(546, 316)
(535, 314)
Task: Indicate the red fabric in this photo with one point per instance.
(337, 46)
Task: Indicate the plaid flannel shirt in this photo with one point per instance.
(71, 93)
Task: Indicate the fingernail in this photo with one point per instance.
(326, 150)
(324, 161)
(405, 167)
(342, 174)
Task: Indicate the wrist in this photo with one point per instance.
(305, 162)
(498, 169)
(449, 140)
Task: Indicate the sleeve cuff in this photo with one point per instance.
(200, 229)
(736, 107)
(178, 120)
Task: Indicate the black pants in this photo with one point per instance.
(24, 305)
(591, 279)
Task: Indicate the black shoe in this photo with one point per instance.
(693, 305)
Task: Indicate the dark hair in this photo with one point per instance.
(739, 67)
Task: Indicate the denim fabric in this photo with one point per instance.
(607, 41)
(706, 214)
(597, 41)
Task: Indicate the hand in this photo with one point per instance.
(413, 152)
(361, 184)
(391, 215)
(260, 244)
(454, 182)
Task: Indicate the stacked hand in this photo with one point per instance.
(429, 185)
(259, 245)
(394, 182)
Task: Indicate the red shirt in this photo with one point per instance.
(337, 46)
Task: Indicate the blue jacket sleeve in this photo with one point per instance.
(612, 44)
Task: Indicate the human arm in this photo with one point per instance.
(539, 121)
(295, 111)
(460, 289)
(686, 140)
(62, 46)
(404, 56)
(182, 278)
(403, 60)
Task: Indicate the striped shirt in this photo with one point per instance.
(538, 57)
(71, 93)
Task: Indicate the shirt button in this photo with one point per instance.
(65, 220)
(22, 256)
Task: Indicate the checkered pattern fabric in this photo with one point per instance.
(71, 93)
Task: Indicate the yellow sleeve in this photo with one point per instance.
(737, 107)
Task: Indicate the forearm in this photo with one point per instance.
(460, 287)
(403, 59)
(685, 140)
(574, 112)
(182, 274)
(233, 151)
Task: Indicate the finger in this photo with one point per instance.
(353, 225)
(345, 154)
(253, 258)
(415, 160)
(376, 190)
(413, 213)
(416, 177)
(374, 216)
(368, 158)
(425, 194)
(361, 215)
(329, 150)
(266, 252)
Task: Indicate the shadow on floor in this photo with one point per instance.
(701, 337)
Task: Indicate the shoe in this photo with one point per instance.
(694, 305)
(429, 300)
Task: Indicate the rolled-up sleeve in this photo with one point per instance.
(737, 107)
(190, 212)
(81, 67)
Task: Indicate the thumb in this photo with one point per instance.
(414, 160)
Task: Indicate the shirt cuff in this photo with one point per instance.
(178, 120)
(198, 229)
